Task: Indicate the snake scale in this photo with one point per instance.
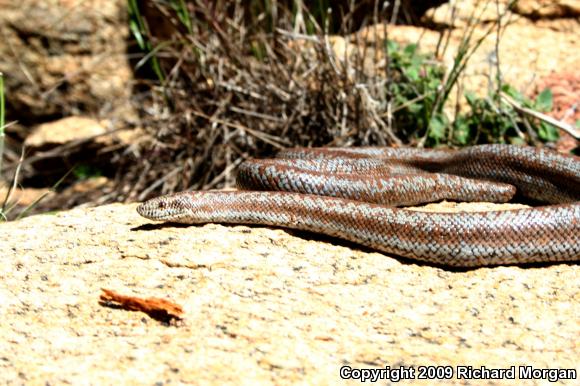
(352, 194)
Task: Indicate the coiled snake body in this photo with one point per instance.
(351, 193)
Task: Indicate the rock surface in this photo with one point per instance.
(486, 11)
(64, 131)
(64, 57)
(548, 8)
(76, 129)
(260, 305)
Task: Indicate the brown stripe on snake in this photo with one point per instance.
(344, 193)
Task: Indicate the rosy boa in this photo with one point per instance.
(350, 193)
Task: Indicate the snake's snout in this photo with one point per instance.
(145, 210)
(154, 209)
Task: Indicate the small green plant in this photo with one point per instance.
(85, 172)
(487, 121)
(141, 34)
(182, 13)
(416, 82)
(543, 103)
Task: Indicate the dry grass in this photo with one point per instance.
(235, 80)
(239, 83)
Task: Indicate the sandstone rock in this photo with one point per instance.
(450, 207)
(548, 8)
(261, 306)
(62, 57)
(55, 149)
(64, 131)
(458, 14)
(76, 128)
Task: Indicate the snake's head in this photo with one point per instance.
(164, 208)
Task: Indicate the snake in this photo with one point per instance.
(360, 194)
